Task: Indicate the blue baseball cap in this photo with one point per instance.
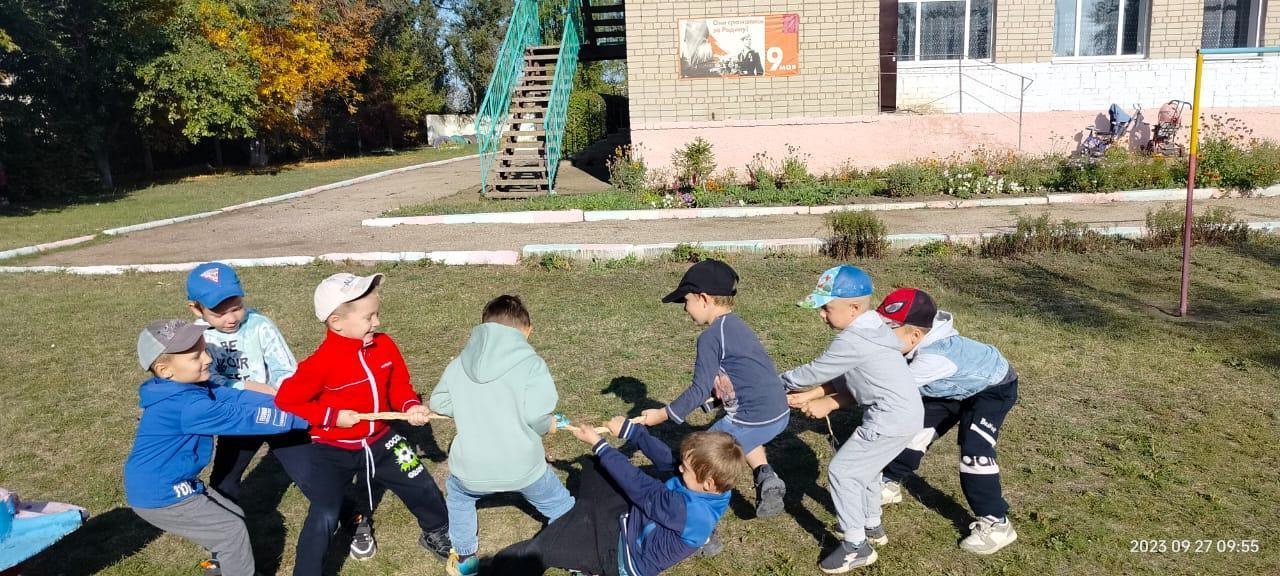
(843, 281)
(211, 283)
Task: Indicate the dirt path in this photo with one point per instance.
(330, 222)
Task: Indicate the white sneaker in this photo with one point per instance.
(890, 492)
(986, 536)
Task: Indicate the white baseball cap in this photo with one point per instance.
(341, 288)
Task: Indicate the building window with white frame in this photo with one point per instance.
(1100, 27)
(944, 29)
(1232, 23)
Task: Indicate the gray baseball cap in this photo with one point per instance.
(166, 337)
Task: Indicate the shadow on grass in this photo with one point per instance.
(104, 540)
(939, 502)
(263, 489)
(1028, 286)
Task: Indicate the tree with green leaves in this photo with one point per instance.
(474, 39)
(70, 89)
(406, 76)
(198, 92)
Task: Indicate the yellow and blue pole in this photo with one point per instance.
(1192, 160)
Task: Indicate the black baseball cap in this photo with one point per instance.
(711, 277)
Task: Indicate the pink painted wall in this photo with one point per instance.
(880, 140)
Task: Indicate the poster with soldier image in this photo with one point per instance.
(740, 47)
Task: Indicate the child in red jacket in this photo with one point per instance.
(357, 370)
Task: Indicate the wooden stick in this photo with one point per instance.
(599, 429)
(395, 416)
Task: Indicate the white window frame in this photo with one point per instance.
(1115, 55)
(968, 11)
(1256, 16)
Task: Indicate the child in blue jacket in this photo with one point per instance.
(966, 385)
(181, 415)
(627, 523)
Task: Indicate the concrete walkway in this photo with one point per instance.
(330, 222)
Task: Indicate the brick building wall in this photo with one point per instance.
(1021, 31)
(838, 64)
(1176, 28)
(1271, 24)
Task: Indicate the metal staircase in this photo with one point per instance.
(521, 122)
(604, 30)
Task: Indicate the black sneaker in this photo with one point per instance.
(845, 558)
(363, 546)
(713, 547)
(437, 541)
(770, 490)
(211, 567)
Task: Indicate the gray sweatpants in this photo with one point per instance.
(854, 479)
(212, 521)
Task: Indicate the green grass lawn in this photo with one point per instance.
(1131, 424)
(195, 194)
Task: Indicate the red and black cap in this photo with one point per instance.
(908, 306)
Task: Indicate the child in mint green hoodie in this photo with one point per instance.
(501, 397)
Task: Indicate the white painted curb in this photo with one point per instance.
(43, 247)
(576, 251)
(269, 200)
(575, 216)
(284, 197)
(447, 257)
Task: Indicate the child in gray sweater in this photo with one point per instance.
(864, 364)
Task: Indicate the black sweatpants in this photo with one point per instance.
(979, 418)
(389, 462)
(584, 539)
(233, 454)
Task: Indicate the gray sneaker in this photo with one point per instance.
(713, 547)
(890, 492)
(987, 536)
(845, 558)
(770, 491)
(877, 536)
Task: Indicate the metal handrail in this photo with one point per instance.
(561, 88)
(1024, 83)
(523, 30)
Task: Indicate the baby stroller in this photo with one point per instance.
(1166, 131)
(1097, 142)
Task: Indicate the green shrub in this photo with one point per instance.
(913, 179)
(694, 163)
(552, 261)
(795, 168)
(1118, 169)
(1042, 235)
(1217, 225)
(762, 172)
(939, 249)
(627, 171)
(858, 234)
(685, 252)
(585, 122)
(629, 262)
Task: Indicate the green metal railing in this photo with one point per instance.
(523, 30)
(561, 87)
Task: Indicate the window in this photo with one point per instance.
(944, 29)
(1101, 27)
(1232, 23)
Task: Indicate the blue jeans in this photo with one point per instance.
(546, 494)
